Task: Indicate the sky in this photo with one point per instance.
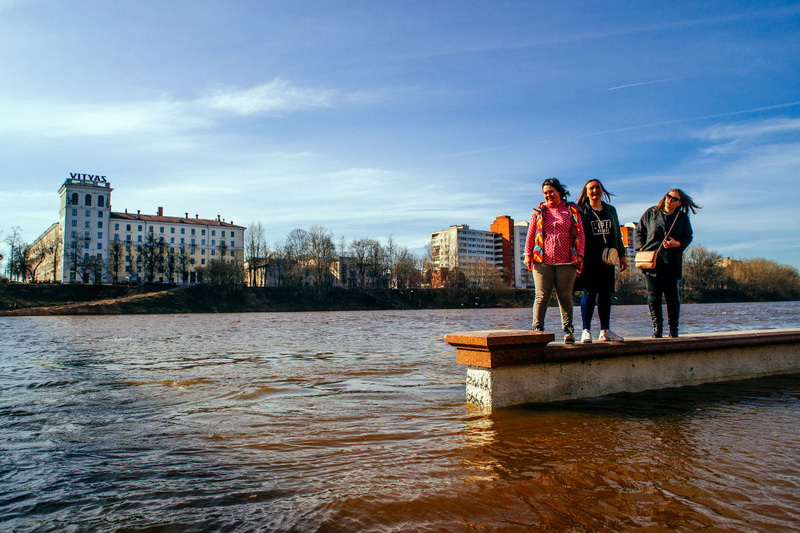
(378, 119)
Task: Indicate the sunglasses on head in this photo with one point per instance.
(673, 198)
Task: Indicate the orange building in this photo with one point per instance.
(503, 227)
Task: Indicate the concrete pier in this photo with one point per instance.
(513, 367)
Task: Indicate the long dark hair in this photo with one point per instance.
(687, 203)
(558, 186)
(583, 199)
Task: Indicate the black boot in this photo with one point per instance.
(658, 321)
(673, 316)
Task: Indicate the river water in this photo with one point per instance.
(356, 421)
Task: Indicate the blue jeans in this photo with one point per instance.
(603, 300)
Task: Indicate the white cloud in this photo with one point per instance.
(277, 96)
(162, 116)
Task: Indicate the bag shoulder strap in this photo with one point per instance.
(677, 214)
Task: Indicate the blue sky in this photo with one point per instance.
(401, 118)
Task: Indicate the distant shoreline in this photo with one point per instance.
(58, 299)
(23, 299)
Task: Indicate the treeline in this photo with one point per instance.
(313, 258)
(708, 277)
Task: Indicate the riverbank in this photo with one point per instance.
(65, 299)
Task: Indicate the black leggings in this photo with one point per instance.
(668, 286)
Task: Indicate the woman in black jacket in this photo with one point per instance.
(601, 228)
(666, 225)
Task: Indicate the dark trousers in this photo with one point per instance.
(663, 284)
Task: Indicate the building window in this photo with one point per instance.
(74, 212)
(116, 236)
(99, 246)
(202, 261)
(183, 231)
(183, 240)
(213, 242)
(232, 245)
(99, 214)
(213, 232)
(99, 234)
(99, 223)
(203, 251)
(88, 201)
(88, 213)
(161, 229)
(101, 201)
(202, 232)
(203, 242)
(74, 223)
(139, 238)
(74, 200)
(172, 240)
(127, 227)
(213, 252)
(116, 227)
(140, 227)
(223, 233)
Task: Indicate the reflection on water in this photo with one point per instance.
(355, 421)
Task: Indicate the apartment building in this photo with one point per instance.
(93, 244)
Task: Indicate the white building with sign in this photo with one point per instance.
(93, 244)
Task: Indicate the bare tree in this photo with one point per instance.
(53, 247)
(116, 253)
(256, 254)
(296, 253)
(406, 269)
(183, 263)
(35, 256)
(170, 263)
(360, 250)
(702, 272)
(321, 255)
(482, 274)
(93, 269)
(17, 267)
(152, 255)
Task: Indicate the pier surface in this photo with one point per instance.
(512, 367)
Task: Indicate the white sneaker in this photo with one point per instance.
(606, 335)
(586, 337)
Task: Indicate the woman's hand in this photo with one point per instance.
(669, 242)
(623, 263)
(527, 261)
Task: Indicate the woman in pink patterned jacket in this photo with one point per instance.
(554, 252)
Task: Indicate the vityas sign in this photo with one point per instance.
(87, 177)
